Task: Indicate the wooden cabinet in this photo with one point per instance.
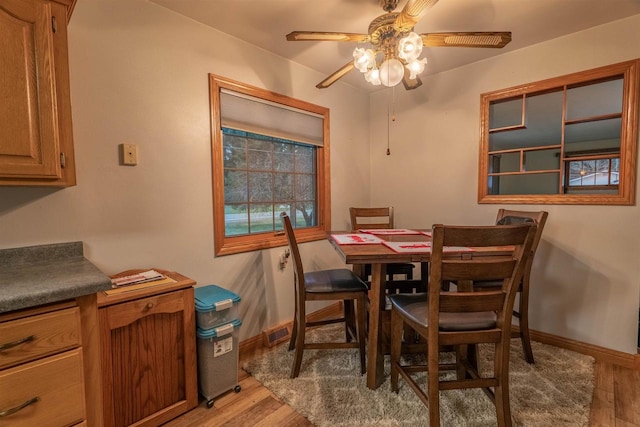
(148, 353)
(36, 142)
(41, 367)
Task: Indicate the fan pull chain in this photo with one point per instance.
(391, 117)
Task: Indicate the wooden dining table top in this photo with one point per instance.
(380, 253)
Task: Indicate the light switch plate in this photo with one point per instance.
(128, 154)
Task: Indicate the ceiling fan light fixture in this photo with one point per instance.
(363, 59)
(391, 72)
(373, 77)
(410, 47)
(416, 67)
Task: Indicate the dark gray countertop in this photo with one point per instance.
(38, 275)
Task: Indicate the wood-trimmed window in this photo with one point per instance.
(536, 137)
(270, 153)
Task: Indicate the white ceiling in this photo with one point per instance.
(265, 23)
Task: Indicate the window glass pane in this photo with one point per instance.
(304, 187)
(236, 220)
(539, 160)
(283, 157)
(305, 214)
(595, 99)
(593, 135)
(304, 159)
(504, 113)
(234, 151)
(235, 186)
(504, 162)
(259, 154)
(283, 186)
(599, 172)
(260, 187)
(537, 183)
(261, 217)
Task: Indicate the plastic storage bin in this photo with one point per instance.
(218, 360)
(215, 306)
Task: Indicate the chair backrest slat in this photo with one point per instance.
(459, 302)
(493, 268)
(371, 218)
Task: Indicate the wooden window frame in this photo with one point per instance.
(226, 245)
(630, 70)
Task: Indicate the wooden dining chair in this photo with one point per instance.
(460, 319)
(326, 285)
(382, 218)
(521, 310)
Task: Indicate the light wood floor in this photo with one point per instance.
(616, 403)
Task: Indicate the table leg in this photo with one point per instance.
(375, 357)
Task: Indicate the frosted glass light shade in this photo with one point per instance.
(410, 47)
(373, 77)
(363, 59)
(391, 72)
(415, 67)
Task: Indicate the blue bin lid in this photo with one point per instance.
(219, 331)
(214, 298)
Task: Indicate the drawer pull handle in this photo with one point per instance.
(15, 409)
(9, 345)
(149, 306)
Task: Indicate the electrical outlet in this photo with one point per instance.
(128, 154)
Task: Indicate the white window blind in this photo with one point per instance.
(251, 114)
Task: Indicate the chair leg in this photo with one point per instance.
(349, 320)
(361, 312)
(433, 386)
(396, 347)
(501, 391)
(524, 321)
(294, 333)
(299, 343)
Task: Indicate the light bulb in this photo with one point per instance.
(363, 58)
(373, 77)
(391, 72)
(410, 47)
(415, 67)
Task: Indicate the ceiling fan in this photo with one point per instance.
(395, 47)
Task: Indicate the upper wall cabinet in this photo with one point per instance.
(36, 142)
(566, 140)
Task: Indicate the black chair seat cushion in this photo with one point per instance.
(414, 307)
(337, 280)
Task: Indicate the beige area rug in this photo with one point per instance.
(556, 391)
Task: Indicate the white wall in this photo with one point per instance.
(585, 283)
(139, 75)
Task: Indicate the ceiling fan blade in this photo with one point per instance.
(336, 76)
(466, 39)
(411, 84)
(411, 13)
(326, 36)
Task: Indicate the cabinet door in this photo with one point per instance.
(29, 144)
(149, 359)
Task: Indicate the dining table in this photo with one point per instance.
(380, 248)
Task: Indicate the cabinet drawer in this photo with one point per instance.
(56, 382)
(31, 338)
